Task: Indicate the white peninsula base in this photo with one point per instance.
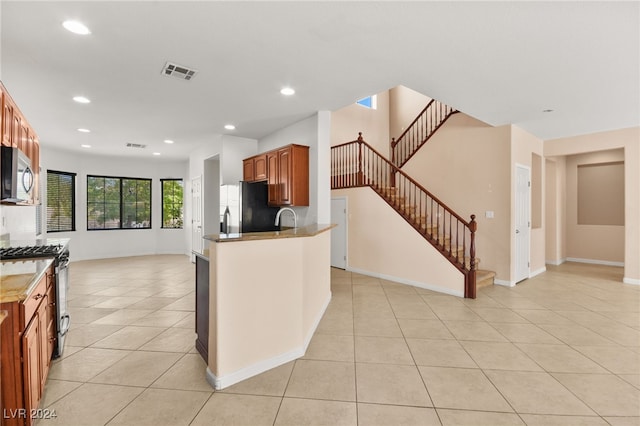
(267, 294)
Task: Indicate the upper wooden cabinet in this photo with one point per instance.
(286, 170)
(17, 133)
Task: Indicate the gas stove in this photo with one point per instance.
(27, 252)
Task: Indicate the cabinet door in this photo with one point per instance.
(35, 167)
(272, 178)
(248, 170)
(16, 129)
(260, 167)
(31, 364)
(284, 176)
(7, 120)
(43, 348)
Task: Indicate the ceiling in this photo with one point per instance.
(501, 62)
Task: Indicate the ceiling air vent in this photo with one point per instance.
(178, 71)
(135, 145)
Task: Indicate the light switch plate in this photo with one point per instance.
(488, 214)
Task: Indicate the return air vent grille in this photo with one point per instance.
(136, 145)
(178, 71)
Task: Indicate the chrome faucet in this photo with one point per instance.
(282, 209)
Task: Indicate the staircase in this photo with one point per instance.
(357, 164)
(419, 131)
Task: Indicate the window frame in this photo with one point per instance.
(73, 200)
(162, 181)
(121, 203)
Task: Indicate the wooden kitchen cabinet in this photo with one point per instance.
(27, 340)
(291, 186)
(17, 133)
(254, 168)
(248, 173)
(260, 167)
(286, 170)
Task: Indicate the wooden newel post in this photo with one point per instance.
(392, 172)
(360, 140)
(470, 290)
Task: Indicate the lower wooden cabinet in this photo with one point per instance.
(27, 341)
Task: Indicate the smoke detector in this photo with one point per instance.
(136, 145)
(178, 71)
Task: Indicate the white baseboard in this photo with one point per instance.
(594, 261)
(631, 281)
(260, 367)
(504, 283)
(252, 370)
(556, 262)
(426, 286)
(537, 272)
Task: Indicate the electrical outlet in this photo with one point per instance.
(488, 214)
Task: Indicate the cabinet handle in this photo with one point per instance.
(38, 296)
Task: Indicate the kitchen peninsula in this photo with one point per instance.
(267, 293)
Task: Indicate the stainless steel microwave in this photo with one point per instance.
(17, 176)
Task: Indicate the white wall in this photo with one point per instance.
(115, 243)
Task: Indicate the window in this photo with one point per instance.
(118, 203)
(368, 102)
(61, 201)
(172, 199)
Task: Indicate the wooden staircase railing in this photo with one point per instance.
(419, 131)
(357, 164)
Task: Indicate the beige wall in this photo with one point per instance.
(404, 105)
(523, 145)
(466, 164)
(628, 140)
(373, 123)
(382, 244)
(591, 242)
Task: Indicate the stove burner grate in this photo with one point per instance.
(50, 250)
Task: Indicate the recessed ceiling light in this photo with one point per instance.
(85, 146)
(76, 27)
(229, 126)
(169, 141)
(81, 99)
(287, 91)
(84, 130)
(156, 153)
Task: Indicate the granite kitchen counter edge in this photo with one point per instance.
(19, 282)
(300, 232)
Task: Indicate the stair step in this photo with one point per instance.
(484, 278)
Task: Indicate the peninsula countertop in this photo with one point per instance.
(19, 278)
(300, 232)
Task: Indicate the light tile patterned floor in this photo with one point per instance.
(562, 348)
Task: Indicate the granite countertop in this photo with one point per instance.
(20, 277)
(303, 231)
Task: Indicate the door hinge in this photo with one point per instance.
(344, 257)
(345, 211)
(528, 264)
(529, 184)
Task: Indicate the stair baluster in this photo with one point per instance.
(357, 164)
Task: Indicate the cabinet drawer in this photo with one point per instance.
(29, 306)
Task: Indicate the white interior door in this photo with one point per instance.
(523, 221)
(339, 233)
(196, 214)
